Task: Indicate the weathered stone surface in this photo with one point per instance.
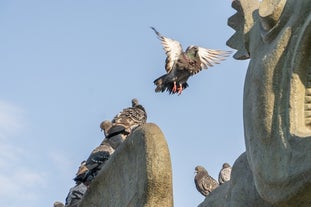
(277, 103)
(276, 135)
(138, 174)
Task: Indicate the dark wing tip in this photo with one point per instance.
(153, 29)
(157, 33)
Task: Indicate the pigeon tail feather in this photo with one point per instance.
(165, 83)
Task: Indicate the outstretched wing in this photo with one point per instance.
(209, 57)
(172, 48)
(200, 58)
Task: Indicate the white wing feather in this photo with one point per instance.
(209, 57)
(172, 48)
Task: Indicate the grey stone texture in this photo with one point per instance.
(276, 36)
(138, 174)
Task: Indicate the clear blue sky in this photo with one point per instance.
(67, 65)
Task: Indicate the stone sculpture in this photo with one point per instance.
(276, 36)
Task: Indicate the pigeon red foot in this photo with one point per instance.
(180, 89)
(174, 89)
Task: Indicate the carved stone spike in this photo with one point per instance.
(270, 12)
(242, 22)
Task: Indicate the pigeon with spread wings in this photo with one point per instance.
(180, 65)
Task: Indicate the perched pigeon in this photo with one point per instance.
(115, 132)
(88, 169)
(180, 65)
(224, 174)
(128, 119)
(203, 181)
(75, 195)
(105, 126)
(58, 204)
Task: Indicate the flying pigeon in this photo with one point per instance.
(224, 174)
(203, 181)
(180, 65)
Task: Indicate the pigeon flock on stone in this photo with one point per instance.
(180, 65)
(115, 131)
(205, 183)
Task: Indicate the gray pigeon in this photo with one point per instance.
(58, 204)
(180, 65)
(203, 181)
(105, 126)
(75, 195)
(88, 169)
(128, 119)
(224, 174)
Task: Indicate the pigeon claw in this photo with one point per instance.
(174, 89)
(180, 89)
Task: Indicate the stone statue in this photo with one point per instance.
(276, 36)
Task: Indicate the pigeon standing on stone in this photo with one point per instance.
(105, 126)
(89, 168)
(58, 204)
(126, 121)
(224, 174)
(180, 65)
(203, 181)
(75, 195)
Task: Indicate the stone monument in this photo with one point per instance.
(275, 170)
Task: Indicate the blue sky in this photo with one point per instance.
(68, 65)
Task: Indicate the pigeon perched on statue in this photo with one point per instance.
(128, 119)
(75, 195)
(224, 174)
(180, 65)
(105, 126)
(58, 204)
(88, 169)
(203, 181)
